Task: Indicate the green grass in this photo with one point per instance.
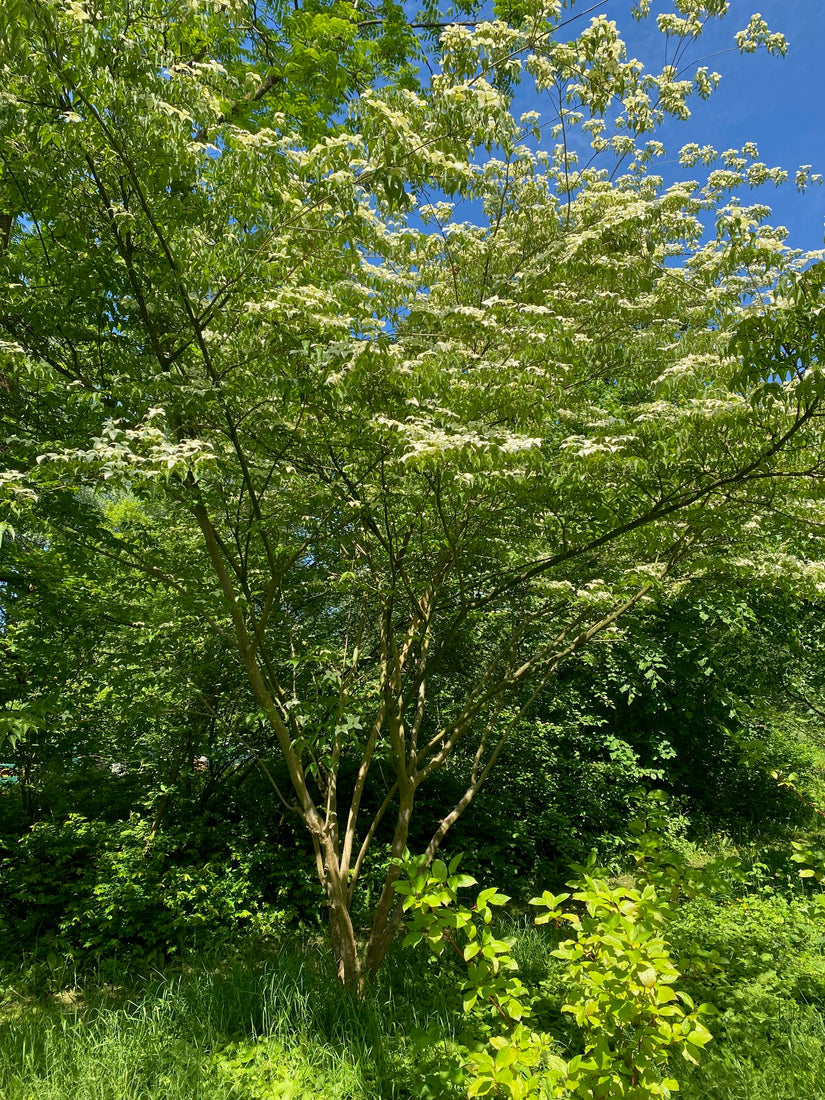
(244, 1030)
(786, 1065)
(269, 1025)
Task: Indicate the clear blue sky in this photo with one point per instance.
(779, 103)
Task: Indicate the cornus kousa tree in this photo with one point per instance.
(407, 397)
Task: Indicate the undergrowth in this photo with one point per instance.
(274, 1024)
(261, 1022)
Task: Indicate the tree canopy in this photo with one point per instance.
(401, 397)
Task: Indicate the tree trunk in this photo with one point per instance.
(385, 924)
(387, 916)
(343, 943)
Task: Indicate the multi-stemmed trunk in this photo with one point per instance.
(398, 725)
(357, 962)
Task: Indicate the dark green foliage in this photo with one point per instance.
(561, 790)
(691, 698)
(84, 891)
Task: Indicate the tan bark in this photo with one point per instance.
(387, 916)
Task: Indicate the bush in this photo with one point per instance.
(618, 988)
(86, 890)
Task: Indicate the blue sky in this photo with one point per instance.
(779, 103)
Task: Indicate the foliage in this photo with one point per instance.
(622, 978)
(83, 891)
(710, 691)
(400, 467)
(619, 987)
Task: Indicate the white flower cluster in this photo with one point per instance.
(145, 451)
(11, 484)
(424, 440)
(583, 447)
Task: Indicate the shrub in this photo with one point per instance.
(86, 890)
(619, 986)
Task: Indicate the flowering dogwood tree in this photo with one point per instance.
(426, 395)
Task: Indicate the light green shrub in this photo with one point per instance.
(619, 987)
